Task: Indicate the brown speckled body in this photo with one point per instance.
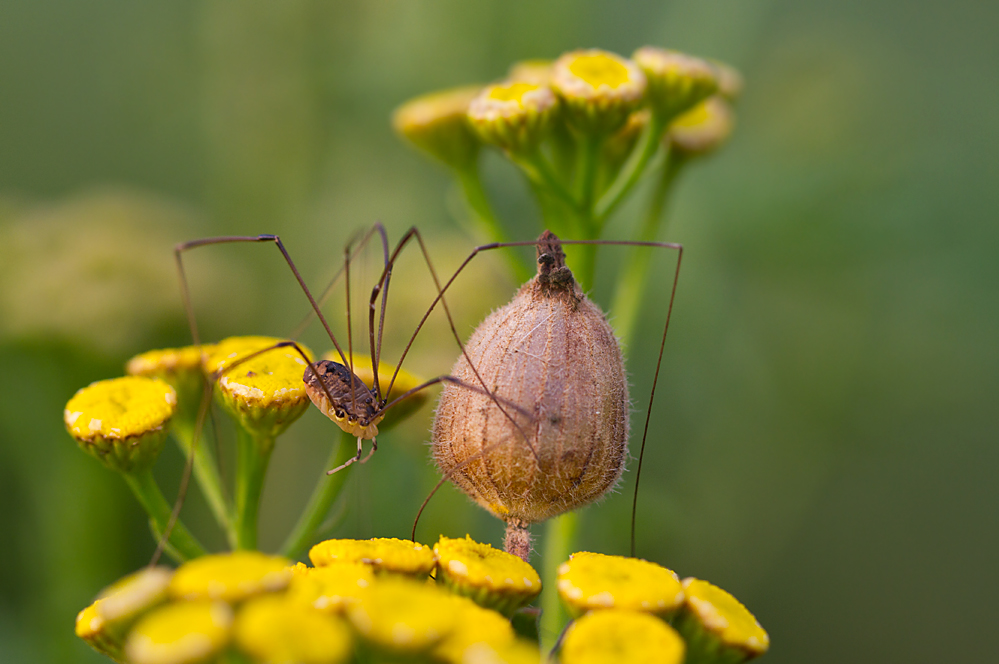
(551, 352)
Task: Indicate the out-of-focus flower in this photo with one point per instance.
(474, 625)
(232, 577)
(265, 393)
(180, 633)
(596, 581)
(717, 627)
(277, 630)
(383, 554)
(331, 587)
(403, 616)
(730, 82)
(538, 72)
(515, 116)
(438, 125)
(622, 142)
(599, 89)
(677, 81)
(492, 578)
(122, 421)
(619, 635)
(703, 129)
(178, 367)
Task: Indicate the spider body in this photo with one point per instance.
(344, 398)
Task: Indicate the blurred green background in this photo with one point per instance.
(823, 445)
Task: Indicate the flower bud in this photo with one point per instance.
(599, 89)
(474, 625)
(492, 578)
(717, 627)
(383, 554)
(123, 421)
(538, 72)
(551, 357)
(703, 129)
(595, 581)
(231, 577)
(402, 617)
(265, 393)
(332, 587)
(515, 116)
(180, 368)
(618, 635)
(180, 633)
(276, 629)
(677, 81)
(437, 124)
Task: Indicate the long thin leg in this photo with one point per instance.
(352, 460)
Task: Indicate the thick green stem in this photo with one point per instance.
(560, 540)
(323, 496)
(632, 171)
(148, 493)
(487, 225)
(632, 283)
(253, 452)
(206, 473)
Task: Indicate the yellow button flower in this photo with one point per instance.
(618, 635)
(125, 600)
(677, 81)
(91, 628)
(717, 626)
(703, 129)
(599, 89)
(474, 625)
(122, 421)
(538, 72)
(400, 615)
(491, 577)
(331, 587)
(384, 554)
(436, 124)
(181, 633)
(277, 630)
(595, 581)
(265, 393)
(514, 116)
(517, 652)
(230, 576)
(180, 368)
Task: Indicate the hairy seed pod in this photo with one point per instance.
(555, 367)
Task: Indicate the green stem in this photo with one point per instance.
(148, 493)
(487, 225)
(586, 175)
(253, 452)
(632, 171)
(540, 173)
(207, 474)
(631, 285)
(560, 540)
(323, 496)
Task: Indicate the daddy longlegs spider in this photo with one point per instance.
(336, 389)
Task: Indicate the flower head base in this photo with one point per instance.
(436, 123)
(617, 635)
(515, 116)
(677, 81)
(383, 554)
(403, 616)
(404, 382)
(703, 129)
(180, 633)
(717, 626)
(595, 581)
(474, 625)
(265, 393)
(231, 577)
(492, 578)
(178, 367)
(331, 587)
(275, 629)
(599, 89)
(538, 72)
(122, 421)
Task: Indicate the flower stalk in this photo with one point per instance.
(182, 544)
(253, 454)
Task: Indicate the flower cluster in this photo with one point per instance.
(397, 600)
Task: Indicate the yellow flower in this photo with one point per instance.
(180, 368)
(91, 628)
(703, 129)
(517, 652)
(677, 81)
(404, 382)
(331, 587)
(492, 578)
(730, 81)
(474, 625)
(400, 615)
(122, 421)
(181, 633)
(515, 115)
(618, 635)
(595, 581)
(121, 603)
(383, 554)
(265, 393)
(717, 626)
(276, 630)
(230, 576)
(436, 123)
(538, 72)
(599, 89)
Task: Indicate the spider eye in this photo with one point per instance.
(339, 413)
